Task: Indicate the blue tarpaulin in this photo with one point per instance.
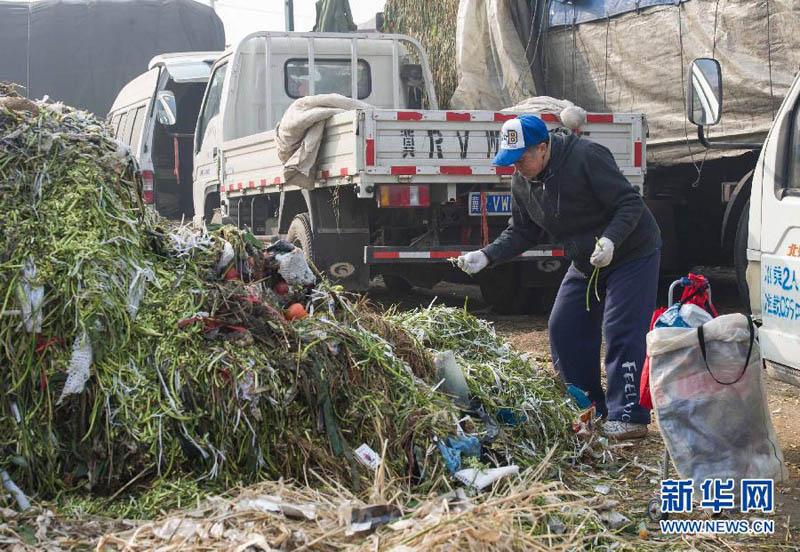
(567, 12)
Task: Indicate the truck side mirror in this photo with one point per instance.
(166, 109)
(704, 95)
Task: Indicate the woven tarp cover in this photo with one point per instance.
(637, 62)
(82, 52)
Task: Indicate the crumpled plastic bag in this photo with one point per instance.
(226, 258)
(31, 298)
(294, 268)
(685, 315)
(78, 371)
(454, 447)
(139, 278)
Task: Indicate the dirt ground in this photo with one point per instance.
(639, 480)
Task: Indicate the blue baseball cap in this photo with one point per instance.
(517, 135)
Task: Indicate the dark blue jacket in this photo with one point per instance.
(580, 196)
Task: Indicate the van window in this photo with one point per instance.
(793, 180)
(115, 123)
(212, 101)
(136, 132)
(331, 76)
(122, 133)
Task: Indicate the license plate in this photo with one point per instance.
(497, 203)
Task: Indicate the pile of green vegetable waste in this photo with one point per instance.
(136, 353)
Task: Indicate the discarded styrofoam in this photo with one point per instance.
(294, 268)
(479, 479)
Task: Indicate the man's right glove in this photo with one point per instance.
(473, 262)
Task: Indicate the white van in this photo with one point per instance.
(155, 115)
(770, 262)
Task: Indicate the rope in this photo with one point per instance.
(574, 52)
(699, 168)
(484, 219)
(714, 37)
(528, 45)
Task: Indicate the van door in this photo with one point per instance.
(780, 241)
(208, 139)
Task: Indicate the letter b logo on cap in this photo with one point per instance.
(512, 137)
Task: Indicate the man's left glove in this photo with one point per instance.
(603, 253)
(473, 262)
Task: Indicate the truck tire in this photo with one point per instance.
(211, 203)
(740, 256)
(300, 235)
(396, 283)
(500, 287)
(542, 300)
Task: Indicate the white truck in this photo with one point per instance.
(770, 264)
(399, 189)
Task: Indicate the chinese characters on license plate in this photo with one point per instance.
(497, 204)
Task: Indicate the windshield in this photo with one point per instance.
(189, 71)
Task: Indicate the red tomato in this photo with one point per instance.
(281, 288)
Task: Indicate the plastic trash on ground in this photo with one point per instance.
(294, 268)
(268, 503)
(11, 487)
(31, 297)
(369, 517)
(454, 384)
(454, 447)
(593, 444)
(78, 372)
(478, 479)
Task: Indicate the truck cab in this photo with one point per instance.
(773, 242)
(769, 236)
(271, 70)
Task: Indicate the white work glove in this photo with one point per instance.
(603, 253)
(473, 262)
